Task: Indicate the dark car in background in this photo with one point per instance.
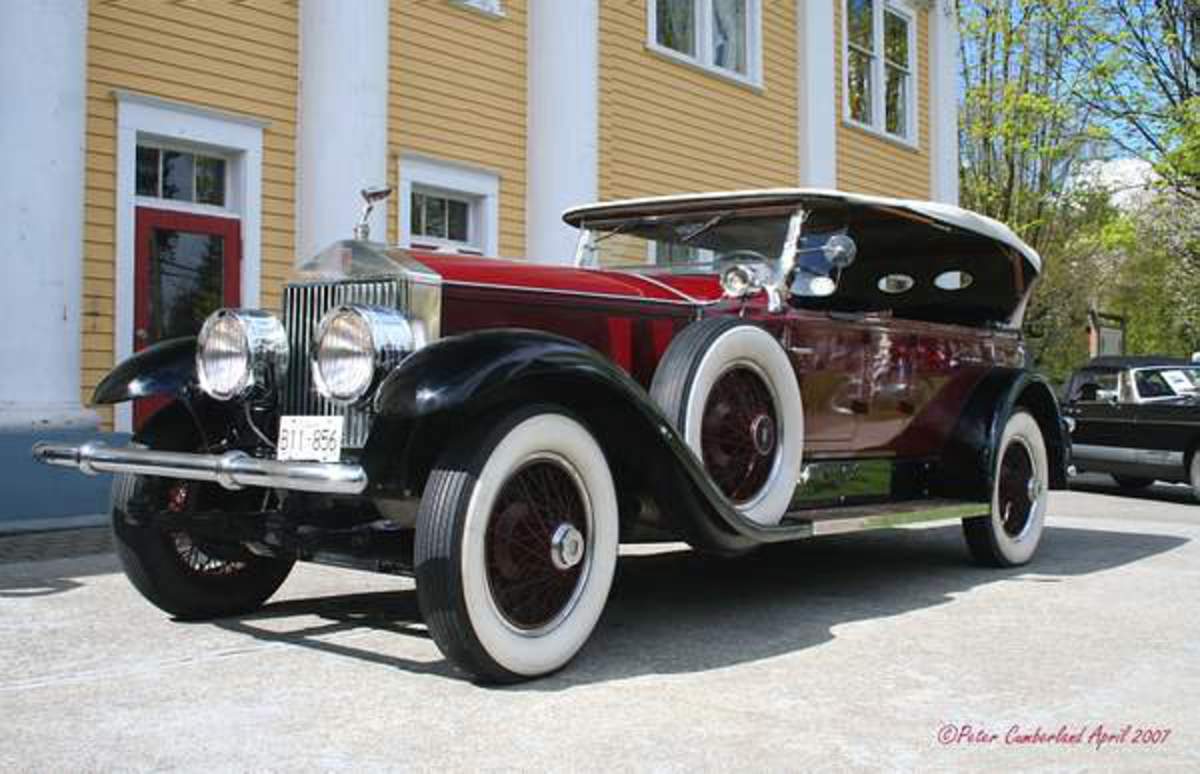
(1136, 419)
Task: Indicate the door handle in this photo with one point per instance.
(142, 334)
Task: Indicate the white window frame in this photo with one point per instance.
(703, 58)
(878, 123)
(475, 226)
(199, 208)
(479, 187)
(142, 119)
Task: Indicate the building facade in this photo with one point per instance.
(165, 158)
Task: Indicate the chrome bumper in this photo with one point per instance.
(232, 470)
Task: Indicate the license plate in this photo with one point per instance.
(313, 439)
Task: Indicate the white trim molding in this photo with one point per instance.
(239, 139)
(480, 187)
(943, 101)
(563, 140)
(817, 101)
(342, 138)
(43, 85)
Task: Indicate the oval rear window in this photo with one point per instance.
(896, 283)
(953, 280)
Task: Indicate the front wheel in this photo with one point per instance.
(1010, 534)
(517, 545)
(186, 575)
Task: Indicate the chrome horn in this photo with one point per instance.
(370, 195)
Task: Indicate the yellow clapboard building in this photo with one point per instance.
(170, 157)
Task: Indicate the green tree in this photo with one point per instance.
(1145, 54)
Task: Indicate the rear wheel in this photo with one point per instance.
(1132, 482)
(1010, 534)
(517, 545)
(185, 575)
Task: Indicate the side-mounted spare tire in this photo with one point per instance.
(730, 390)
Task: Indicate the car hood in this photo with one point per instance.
(540, 277)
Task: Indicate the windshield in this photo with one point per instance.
(697, 242)
(1167, 382)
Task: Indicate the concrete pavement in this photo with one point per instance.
(882, 650)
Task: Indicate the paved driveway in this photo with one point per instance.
(857, 652)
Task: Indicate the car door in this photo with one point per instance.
(829, 357)
(1102, 405)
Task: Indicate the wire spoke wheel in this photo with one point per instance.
(184, 497)
(1019, 488)
(536, 544)
(739, 434)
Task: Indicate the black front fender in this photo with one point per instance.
(968, 462)
(455, 383)
(165, 368)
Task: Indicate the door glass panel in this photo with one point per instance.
(187, 278)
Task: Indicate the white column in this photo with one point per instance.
(43, 47)
(817, 79)
(562, 139)
(943, 79)
(343, 118)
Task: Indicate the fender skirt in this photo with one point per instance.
(165, 368)
(968, 463)
(454, 384)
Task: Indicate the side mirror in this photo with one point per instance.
(840, 251)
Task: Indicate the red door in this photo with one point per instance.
(186, 266)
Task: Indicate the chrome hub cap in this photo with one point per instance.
(762, 430)
(566, 547)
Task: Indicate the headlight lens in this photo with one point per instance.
(238, 351)
(355, 346)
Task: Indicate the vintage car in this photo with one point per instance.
(730, 370)
(1136, 419)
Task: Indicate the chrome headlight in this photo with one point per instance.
(240, 352)
(355, 347)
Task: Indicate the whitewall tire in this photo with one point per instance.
(516, 547)
(730, 390)
(1010, 534)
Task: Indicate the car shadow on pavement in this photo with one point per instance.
(395, 612)
(680, 612)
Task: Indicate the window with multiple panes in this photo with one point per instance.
(718, 34)
(179, 175)
(879, 66)
(443, 219)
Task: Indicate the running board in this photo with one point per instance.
(839, 521)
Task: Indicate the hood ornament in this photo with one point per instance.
(370, 195)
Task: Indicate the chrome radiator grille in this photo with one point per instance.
(304, 304)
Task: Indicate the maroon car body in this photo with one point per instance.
(728, 369)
